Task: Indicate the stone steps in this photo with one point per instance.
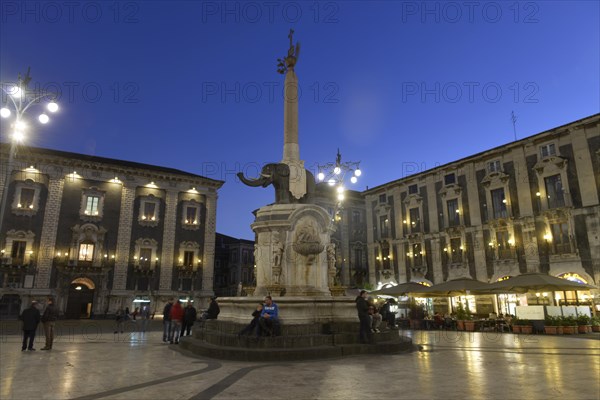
(220, 339)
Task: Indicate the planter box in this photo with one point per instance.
(569, 330)
(595, 328)
(551, 330)
(516, 328)
(526, 329)
(470, 326)
(559, 330)
(460, 325)
(584, 328)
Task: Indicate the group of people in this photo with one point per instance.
(178, 320)
(371, 317)
(31, 317)
(265, 320)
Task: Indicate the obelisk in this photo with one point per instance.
(291, 146)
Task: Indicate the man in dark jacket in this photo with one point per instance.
(167, 321)
(362, 306)
(49, 320)
(31, 319)
(189, 316)
(213, 309)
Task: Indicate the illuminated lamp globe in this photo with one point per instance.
(337, 170)
(4, 112)
(18, 136)
(353, 179)
(15, 91)
(340, 189)
(331, 182)
(320, 176)
(52, 107)
(44, 118)
(358, 172)
(340, 196)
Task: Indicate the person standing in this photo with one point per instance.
(176, 318)
(49, 320)
(213, 309)
(362, 307)
(189, 316)
(145, 316)
(167, 321)
(31, 319)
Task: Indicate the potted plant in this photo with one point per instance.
(584, 324)
(516, 325)
(596, 324)
(524, 326)
(569, 325)
(461, 316)
(469, 323)
(550, 325)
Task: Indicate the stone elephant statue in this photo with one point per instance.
(278, 175)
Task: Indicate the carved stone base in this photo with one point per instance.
(337, 291)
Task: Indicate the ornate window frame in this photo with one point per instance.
(452, 192)
(411, 202)
(493, 181)
(189, 246)
(493, 246)
(19, 235)
(145, 243)
(87, 233)
(185, 223)
(17, 207)
(83, 213)
(149, 199)
(547, 167)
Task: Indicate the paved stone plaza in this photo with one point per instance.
(88, 361)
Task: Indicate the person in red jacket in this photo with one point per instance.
(176, 318)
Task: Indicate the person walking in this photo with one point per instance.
(145, 316)
(189, 316)
(176, 318)
(49, 320)
(167, 321)
(119, 320)
(31, 318)
(362, 307)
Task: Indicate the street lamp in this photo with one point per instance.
(336, 174)
(17, 99)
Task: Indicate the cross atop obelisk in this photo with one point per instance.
(291, 147)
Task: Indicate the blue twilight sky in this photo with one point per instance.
(399, 86)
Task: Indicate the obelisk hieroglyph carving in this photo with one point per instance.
(291, 146)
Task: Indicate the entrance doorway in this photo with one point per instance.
(81, 299)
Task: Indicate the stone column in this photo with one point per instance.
(345, 247)
(475, 216)
(523, 185)
(208, 263)
(49, 229)
(583, 161)
(168, 241)
(122, 255)
(371, 242)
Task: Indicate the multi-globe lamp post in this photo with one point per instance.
(336, 174)
(17, 100)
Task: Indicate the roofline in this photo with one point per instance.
(112, 161)
(516, 143)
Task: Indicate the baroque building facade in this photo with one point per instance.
(99, 234)
(527, 206)
(234, 265)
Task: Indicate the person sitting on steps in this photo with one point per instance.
(269, 317)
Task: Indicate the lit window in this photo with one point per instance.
(560, 238)
(191, 215)
(86, 252)
(145, 257)
(26, 199)
(415, 220)
(18, 252)
(91, 205)
(456, 250)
